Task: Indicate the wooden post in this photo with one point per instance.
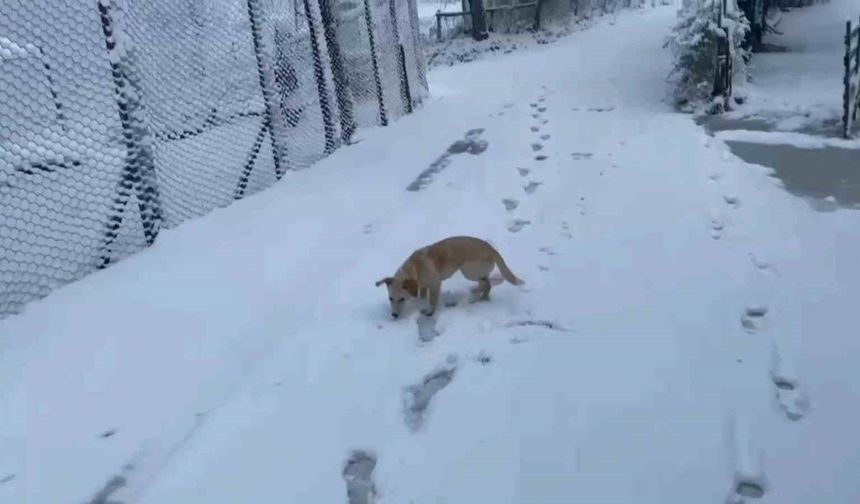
(846, 80)
(438, 26)
(479, 20)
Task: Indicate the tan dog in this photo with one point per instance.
(424, 271)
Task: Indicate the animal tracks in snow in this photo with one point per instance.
(749, 482)
(358, 475)
(516, 225)
(753, 318)
(531, 187)
(427, 331)
(792, 400)
(417, 398)
(471, 143)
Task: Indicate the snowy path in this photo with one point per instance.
(685, 333)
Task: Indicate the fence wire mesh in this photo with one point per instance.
(119, 117)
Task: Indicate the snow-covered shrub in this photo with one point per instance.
(694, 42)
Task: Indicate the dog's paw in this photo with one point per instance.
(427, 312)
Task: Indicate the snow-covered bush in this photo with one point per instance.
(694, 42)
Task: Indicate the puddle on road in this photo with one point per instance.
(818, 174)
(828, 178)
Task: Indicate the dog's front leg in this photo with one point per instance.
(434, 291)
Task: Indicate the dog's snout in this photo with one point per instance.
(394, 315)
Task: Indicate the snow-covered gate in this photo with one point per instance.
(120, 117)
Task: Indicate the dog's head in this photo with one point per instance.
(399, 290)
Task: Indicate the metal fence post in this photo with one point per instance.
(846, 82)
(405, 95)
(138, 174)
(418, 52)
(341, 80)
(374, 58)
(265, 87)
(322, 88)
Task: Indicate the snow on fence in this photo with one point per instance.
(851, 79)
(118, 118)
(513, 15)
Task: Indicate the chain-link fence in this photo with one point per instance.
(120, 117)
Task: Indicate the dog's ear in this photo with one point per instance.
(411, 286)
(386, 281)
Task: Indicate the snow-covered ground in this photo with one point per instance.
(686, 333)
(797, 84)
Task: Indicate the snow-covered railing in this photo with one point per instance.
(851, 78)
(164, 110)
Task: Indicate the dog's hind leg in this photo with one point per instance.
(479, 272)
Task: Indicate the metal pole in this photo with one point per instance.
(338, 71)
(407, 93)
(401, 58)
(846, 94)
(138, 172)
(265, 88)
(374, 57)
(857, 70)
(322, 88)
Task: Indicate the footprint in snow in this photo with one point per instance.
(753, 318)
(523, 171)
(732, 201)
(541, 157)
(790, 397)
(536, 147)
(358, 475)
(581, 155)
(717, 227)
(516, 225)
(531, 187)
(534, 129)
(510, 204)
(483, 358)
(427, 331)
(545, 136)
(417, 398)
(762, 266)
(749, 480)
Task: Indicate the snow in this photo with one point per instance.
(9, 50)
(801, 140)
(247, 356)
(799, 85)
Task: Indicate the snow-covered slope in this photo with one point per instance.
(685, 333)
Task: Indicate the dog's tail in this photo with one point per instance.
(507, 274)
